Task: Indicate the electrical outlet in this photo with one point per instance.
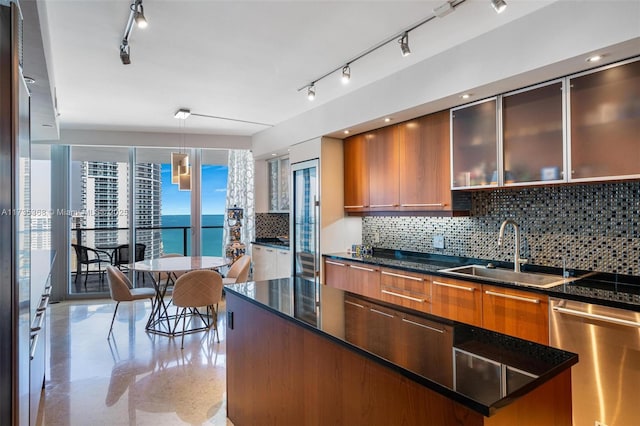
(438, 241)
(600, 423)
(376, 237)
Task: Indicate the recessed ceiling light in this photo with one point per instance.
(29, 80)
(387, 119)
(346, 132)
(47, 125)
(273, 154)
(465, 95)
(594, 58)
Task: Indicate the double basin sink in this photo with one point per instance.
(531, 279)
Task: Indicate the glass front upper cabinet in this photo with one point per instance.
(278, 171)
(532, 135)
(605, 123)
(474, 142)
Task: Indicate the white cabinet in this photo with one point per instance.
(270, 263)
(278, 175)
(283, 263)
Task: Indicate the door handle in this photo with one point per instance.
(618, 321)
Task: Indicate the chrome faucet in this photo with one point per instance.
(516, 252)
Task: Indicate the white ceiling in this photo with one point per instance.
(237, 59)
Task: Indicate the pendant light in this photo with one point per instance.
(180, 166)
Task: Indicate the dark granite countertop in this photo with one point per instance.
(618, 291)
(462, 362)
(271, 242)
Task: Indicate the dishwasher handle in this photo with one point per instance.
(599, 317)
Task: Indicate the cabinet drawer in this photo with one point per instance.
(405, 289)
(407, 281)
(457, 300)
(517, 313)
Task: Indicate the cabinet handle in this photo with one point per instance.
(424, 205)
(459, 287)
(354, 304)
(415, 299)
(381, 313)
(269, 250)
(354, 207)
(361, 268)
(257, 248)
(422, 325)
(33, 345)
(512, 296)
(402, 276)
(331, 262)
(38, 323)
(604, 318)
(384, 205)
(43, 304)
(283, 252)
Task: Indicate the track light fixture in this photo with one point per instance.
(401, 37)
(311, 92)
(124, 53)
(499, 5)
(138, 9)
(346, 74)
(136, 16)
(404, 44)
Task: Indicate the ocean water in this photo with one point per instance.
(172, 239)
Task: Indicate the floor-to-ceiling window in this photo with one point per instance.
(99, 214)
(214, 172)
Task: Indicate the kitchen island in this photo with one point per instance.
(305, 354)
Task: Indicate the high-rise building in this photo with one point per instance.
(104, 198)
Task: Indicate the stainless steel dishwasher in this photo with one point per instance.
(606, 380)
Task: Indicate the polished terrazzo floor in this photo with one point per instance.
(134, 378)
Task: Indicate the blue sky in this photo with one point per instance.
(214, 192)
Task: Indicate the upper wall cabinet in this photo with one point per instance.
(605, 123)
(532, 135)
(382, 146)
(400, 169)
(424, 163)
(474, 145)
(356, 174)
(278, 172)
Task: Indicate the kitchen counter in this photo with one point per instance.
(271, 242)
(464, 358)
(618, 291)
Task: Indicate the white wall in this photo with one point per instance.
(548, 43)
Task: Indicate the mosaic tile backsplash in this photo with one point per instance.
(269, 225)
(590, 227)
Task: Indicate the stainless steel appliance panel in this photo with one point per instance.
(605, 380)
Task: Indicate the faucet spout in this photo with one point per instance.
(516, 251)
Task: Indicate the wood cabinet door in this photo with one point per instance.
(364, 279)
(424, 180)
(405, 289)
(336, 273)
(457, 300)
(356, 174)
(517, 313)
(357, 278)
(382, 147)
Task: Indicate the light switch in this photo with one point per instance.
(438, 241)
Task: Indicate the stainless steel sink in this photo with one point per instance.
(532, 279)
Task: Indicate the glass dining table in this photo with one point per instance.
(161, 322)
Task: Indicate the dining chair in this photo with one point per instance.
(122, 256)
(88, 256)
(239, 271)
(196, 289)
(121, 291)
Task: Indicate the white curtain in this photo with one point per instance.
(240, 193)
